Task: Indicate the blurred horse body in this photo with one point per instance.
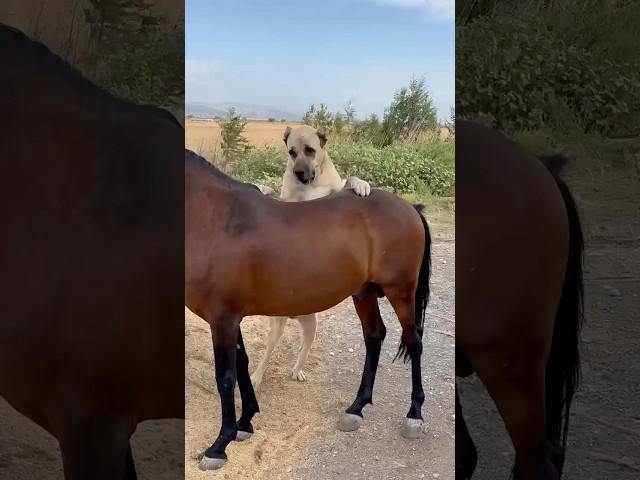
(91, 259)
(518, 296)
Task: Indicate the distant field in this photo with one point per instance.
(203, 136)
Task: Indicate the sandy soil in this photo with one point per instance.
(604, 433)
(296, 434)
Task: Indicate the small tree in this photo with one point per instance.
(323, 117)
(349, 113)
(309, 115)
(234, 144)
(451, 123)
(410, 113)
(320, 117)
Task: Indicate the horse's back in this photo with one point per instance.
(511, 234)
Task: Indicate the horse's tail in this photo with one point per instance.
(422, 289)
(563, 365)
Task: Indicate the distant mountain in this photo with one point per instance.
(248, 110)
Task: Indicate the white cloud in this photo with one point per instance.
(435, 9)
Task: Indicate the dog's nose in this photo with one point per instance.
(302, 175)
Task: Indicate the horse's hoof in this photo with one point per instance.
(299, 376)
(412, 428)
(349, 422)
(211, 463)
(242, 435)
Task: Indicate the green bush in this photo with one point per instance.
(408, 168)
(522, 71)
(412, 168)
(260, 165)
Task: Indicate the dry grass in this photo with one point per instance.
(203, 136)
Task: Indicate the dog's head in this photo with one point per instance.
(305, 150)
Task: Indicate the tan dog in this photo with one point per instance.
(309, 174)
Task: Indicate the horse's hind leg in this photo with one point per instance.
(224, 333)
(309, 324)
(517, 388)
(466, 453)
(276, 328)
(249, 401)
(403, 302)
(374, 332)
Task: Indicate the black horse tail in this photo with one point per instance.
(422, 289)
(563, 365)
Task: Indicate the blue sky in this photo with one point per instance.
(288, 53)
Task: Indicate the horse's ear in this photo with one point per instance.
(322, 135)
(286, 134)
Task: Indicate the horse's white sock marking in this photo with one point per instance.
(241, 436)
(211, 463)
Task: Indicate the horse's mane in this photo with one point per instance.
(220, 177)
(16, 46)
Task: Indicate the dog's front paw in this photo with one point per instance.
(265, 190)
(360, 187)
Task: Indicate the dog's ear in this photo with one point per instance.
(322, 135)
(286, 134)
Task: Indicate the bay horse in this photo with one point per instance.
(91, 259)
(248, 254)
(519, 301)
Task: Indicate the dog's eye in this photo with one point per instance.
(292, 153)
(309, 150)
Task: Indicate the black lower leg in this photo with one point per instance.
(374, 333)
(249, 402)
(414, 349)
(225, 360)
(466, 453)
(130, 472)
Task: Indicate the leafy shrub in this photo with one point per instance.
(411, 168)
(260, 165)
(521, 73)
(156, 48)
(405, 168)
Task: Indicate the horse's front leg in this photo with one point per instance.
(95, 444)
(224, 332)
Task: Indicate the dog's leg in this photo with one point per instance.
(276, 328)
(309, 324)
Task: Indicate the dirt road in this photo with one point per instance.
(296, 434)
